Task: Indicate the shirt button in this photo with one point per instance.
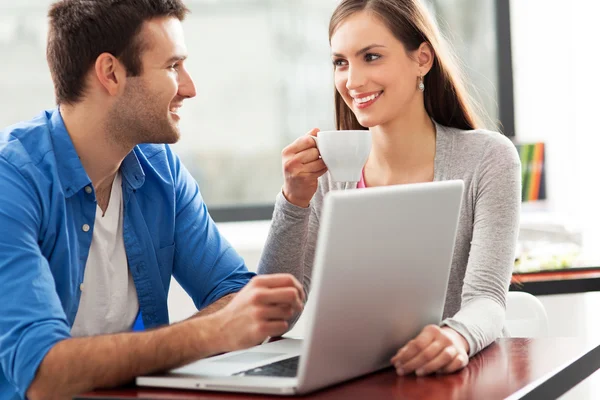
(85, 228)
(81, 287)
(88, 189)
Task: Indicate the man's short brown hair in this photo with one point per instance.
(81, 30)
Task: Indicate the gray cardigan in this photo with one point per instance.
(484, 253)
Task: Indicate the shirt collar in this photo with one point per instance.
(72, 175)
(132, 171)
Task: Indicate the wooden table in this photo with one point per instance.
(564, 281)
(540, 368)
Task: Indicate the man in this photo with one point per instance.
(95, 219)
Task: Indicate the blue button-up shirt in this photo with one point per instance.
(43, 246)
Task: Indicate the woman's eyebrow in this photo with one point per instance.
(361, 51)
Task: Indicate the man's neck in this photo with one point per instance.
(100, 156)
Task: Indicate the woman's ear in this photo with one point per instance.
(425, 57)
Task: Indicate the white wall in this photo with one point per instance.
(556, 69)
(556, 101)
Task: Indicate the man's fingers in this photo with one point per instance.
(276, 313)
(280, 297)
(275, 281)
(278, 281)
(274, 328)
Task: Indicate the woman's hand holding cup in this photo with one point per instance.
(302, 167)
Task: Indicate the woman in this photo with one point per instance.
(395, 77)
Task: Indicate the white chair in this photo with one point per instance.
(525, 315)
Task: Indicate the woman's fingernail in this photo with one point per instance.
(399, 371)
(419, 372)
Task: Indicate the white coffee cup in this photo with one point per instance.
(344, 152)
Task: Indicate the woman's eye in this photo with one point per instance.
(339, 62)
(372, 57)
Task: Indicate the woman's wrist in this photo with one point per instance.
(458, 338)
(290, 199)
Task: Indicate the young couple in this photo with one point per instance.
(97, 213)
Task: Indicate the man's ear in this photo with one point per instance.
(425, 57)
(110, 73)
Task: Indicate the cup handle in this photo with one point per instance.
(317, 143)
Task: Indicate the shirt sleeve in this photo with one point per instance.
(290, 244)
(491, 259)
(206, 265)
(32, 319)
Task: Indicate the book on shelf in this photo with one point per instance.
(533, 171)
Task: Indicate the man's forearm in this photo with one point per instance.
(77, 365)
(216, 306)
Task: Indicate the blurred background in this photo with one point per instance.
(264, 77)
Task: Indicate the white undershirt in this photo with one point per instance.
(109, 302)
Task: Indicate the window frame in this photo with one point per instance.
(506, 115)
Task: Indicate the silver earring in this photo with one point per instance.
(421, 84)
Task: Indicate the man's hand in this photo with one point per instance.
(435, 349)
(261, 309)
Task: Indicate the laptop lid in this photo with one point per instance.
(381, 271)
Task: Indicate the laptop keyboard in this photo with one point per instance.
(284, 368)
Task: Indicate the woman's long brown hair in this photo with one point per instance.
(446, 98)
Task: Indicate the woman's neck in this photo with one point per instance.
(403, 151)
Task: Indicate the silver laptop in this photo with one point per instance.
(381, 272)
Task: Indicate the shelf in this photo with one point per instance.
(563, 281)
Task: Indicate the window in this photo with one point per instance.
(479, 31)
(263, 74)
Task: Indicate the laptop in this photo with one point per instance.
(381, 270)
